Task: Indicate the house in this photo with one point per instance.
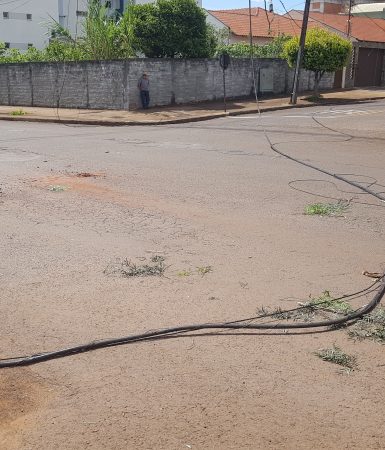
(367, 64)
(265, 25)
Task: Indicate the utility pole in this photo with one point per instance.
(293, 99)
(349, 30)
(250, 31)
(252, 50)
(224, 61)
(348, 33)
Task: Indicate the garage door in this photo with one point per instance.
(369, 67)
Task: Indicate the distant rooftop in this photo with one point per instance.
(370, 10)
(362, 28)
(264, 23)
(269, 25)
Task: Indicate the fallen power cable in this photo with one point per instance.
(234, 325)
(243, 324)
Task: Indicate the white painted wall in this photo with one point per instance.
(220, 26)
(376, 10)
(18, 31)
(71, 15)
(212, 20)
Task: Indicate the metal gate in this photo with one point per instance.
(338, 79)
(369, 67)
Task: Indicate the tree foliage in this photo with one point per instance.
(324, 52)
(107, 36)
(273, 49)
(172, 28)
(167, 28)
(2, 49)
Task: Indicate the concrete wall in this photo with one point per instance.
(113, 84)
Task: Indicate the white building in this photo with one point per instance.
(376, 10)
(25, 23)
(72, 13)
(342, 6)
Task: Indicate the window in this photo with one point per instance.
(16, 15)
(18, 45)
(81, 13)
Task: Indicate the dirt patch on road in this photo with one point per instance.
(86, 185)
(89, 174)
(92, 187)
(21, 394)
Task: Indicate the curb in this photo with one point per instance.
(111, 123)
(114, 123)
(304, 105)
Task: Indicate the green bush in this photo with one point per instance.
(172, 28)
(273, 49)
(324, 52)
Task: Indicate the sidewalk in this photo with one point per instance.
(179, 114)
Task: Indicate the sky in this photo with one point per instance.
(228, 4)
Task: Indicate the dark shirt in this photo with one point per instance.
(144, 84)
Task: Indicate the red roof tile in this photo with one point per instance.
(238, 22)
(362, 28)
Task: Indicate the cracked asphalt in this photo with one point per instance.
(202, 194)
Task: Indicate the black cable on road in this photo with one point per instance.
(292, 183)
(167, 332)
(326, 172)
(233, 325)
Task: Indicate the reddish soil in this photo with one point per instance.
(22, 393)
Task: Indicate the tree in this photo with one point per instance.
(172, 28)
(324, 52)
(100, 32)
(273, 49)
(125, 31)
(2, 49)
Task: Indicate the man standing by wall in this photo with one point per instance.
(144, 89)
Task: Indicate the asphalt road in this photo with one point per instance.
(208, 197)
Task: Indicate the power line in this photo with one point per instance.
(18, 6)
(10, 2)
(290, 16)
(242, 324)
